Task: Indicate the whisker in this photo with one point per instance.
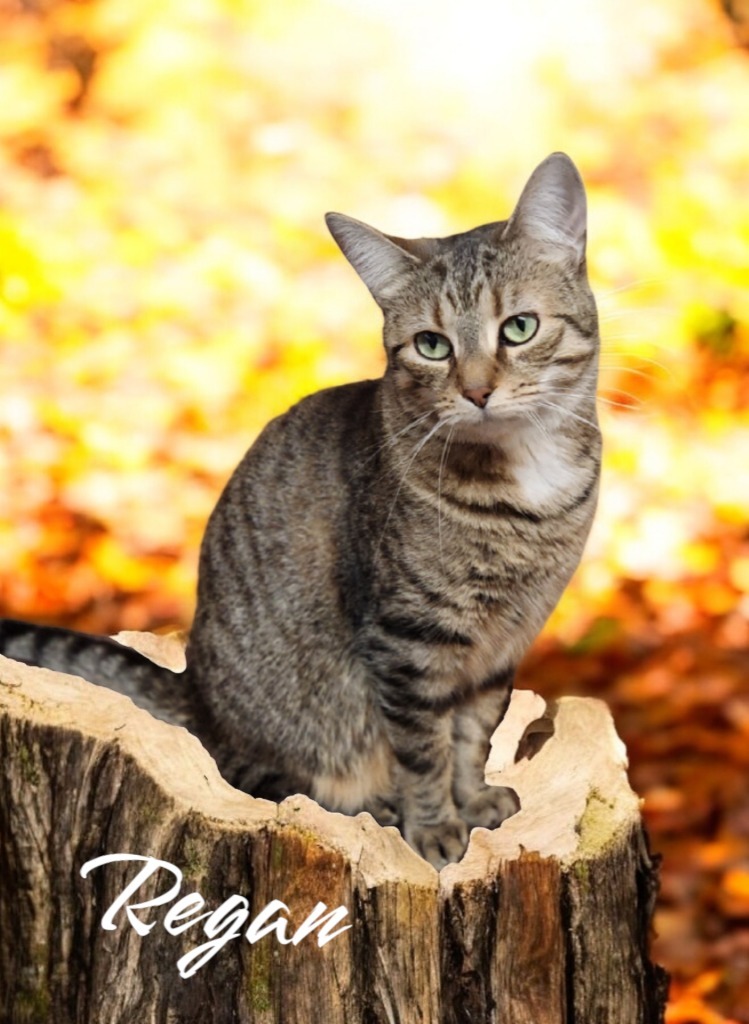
(639, 358)
(538, 424)
(637, 336)
(417, 448)
(391, 441)
(628, 369)
(636, 401)
(621, 391)
(606, 315)
(622, 288)
(568, 412)
(445, 451)
(620, 405)
(638, 409)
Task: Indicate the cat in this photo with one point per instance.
(387, 550)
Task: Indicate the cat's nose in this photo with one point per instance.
(479, 396)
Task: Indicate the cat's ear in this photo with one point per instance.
(552, 208)
(379, 261)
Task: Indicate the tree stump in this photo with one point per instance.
(232, 909)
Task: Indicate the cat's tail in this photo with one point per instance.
(101, 660)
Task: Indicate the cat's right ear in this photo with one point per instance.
(378, 260)
(552, 208)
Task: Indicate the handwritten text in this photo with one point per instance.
(219, 926)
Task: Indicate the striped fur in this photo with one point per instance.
(386, 551)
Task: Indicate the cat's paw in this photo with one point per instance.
(489, 807)
(383, 811)
(441, 843)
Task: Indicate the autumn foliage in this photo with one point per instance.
(167, 285)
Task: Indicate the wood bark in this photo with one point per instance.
(545, 920)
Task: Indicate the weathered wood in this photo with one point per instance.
(544, 920)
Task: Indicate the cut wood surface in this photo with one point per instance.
(545, 919)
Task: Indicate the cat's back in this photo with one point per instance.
(277, 532)
(309, 449)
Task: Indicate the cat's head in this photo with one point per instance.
(493, 326)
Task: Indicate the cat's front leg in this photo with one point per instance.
(431, 824)
(478, 804)
(384, 810)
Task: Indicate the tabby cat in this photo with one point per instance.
(387, 550)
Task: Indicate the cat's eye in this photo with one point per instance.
(432, 345)
(516, 330)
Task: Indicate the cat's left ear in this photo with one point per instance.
(379, 260)
(552, 208)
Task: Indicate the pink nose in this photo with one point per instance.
(479, 396)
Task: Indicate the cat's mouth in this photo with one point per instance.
(490, 425)
(498, 409)
(527, 409)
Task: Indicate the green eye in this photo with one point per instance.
(432, 345)
(518, 329)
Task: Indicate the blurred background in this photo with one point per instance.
(167, 285)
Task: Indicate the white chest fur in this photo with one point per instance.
(543, 467)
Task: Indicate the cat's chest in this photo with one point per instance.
(531, 468)
(505, 551)
(484, 540)
(541, 472)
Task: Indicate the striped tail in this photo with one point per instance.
(165, 694)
